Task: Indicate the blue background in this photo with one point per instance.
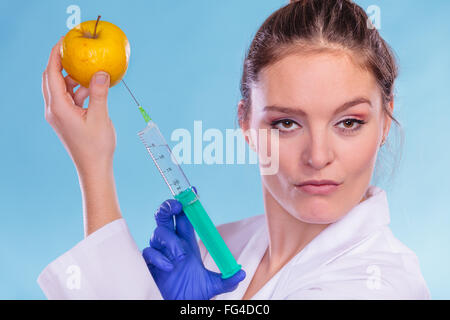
(186, 63)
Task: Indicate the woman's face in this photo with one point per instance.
(330, 120)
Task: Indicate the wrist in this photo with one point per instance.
(100, 201)
(95, 170)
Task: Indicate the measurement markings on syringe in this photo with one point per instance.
(165, 162)
(161, 171)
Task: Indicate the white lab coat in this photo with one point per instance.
(356, 257)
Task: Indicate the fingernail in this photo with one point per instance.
(100, 77)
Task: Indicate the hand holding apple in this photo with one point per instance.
(87, 134)
(92, 48)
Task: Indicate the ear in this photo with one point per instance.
(245, 125)
(388, 120)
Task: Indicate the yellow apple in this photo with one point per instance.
(95, 46)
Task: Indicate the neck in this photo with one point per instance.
(287, 234)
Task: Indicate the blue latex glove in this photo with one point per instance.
(174, 260)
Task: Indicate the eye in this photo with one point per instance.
(285, 125)
(349, 125)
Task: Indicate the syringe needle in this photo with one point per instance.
(132, 95)
(143, 113)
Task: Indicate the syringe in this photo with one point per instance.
(182, 190)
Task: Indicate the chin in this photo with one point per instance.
(318, 220)
(318, 214)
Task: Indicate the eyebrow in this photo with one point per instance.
(347, 105)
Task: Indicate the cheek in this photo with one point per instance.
(290, 154)
(359, 156)
(271, 145)
(289, 166)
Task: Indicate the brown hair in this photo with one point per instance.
(313, 26)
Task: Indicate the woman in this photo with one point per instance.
(319, 74)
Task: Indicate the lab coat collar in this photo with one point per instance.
(358, 224)
(361, 221)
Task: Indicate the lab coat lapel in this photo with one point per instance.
(361, 221)
(249, 259)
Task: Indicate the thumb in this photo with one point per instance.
(98, 94)
(230, 284)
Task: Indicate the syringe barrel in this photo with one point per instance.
(163, 158)
(208, 233)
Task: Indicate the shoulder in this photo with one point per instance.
(395, 265)
(380, 267)
(236, 234)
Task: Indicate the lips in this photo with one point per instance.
(319, 182)
(318, 187)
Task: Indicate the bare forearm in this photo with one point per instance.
(100, 202)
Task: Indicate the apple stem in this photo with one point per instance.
(95, 29)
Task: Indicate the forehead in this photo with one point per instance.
(324, 80)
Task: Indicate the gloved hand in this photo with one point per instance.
(174, 260)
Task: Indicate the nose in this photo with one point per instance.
(317, 152)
